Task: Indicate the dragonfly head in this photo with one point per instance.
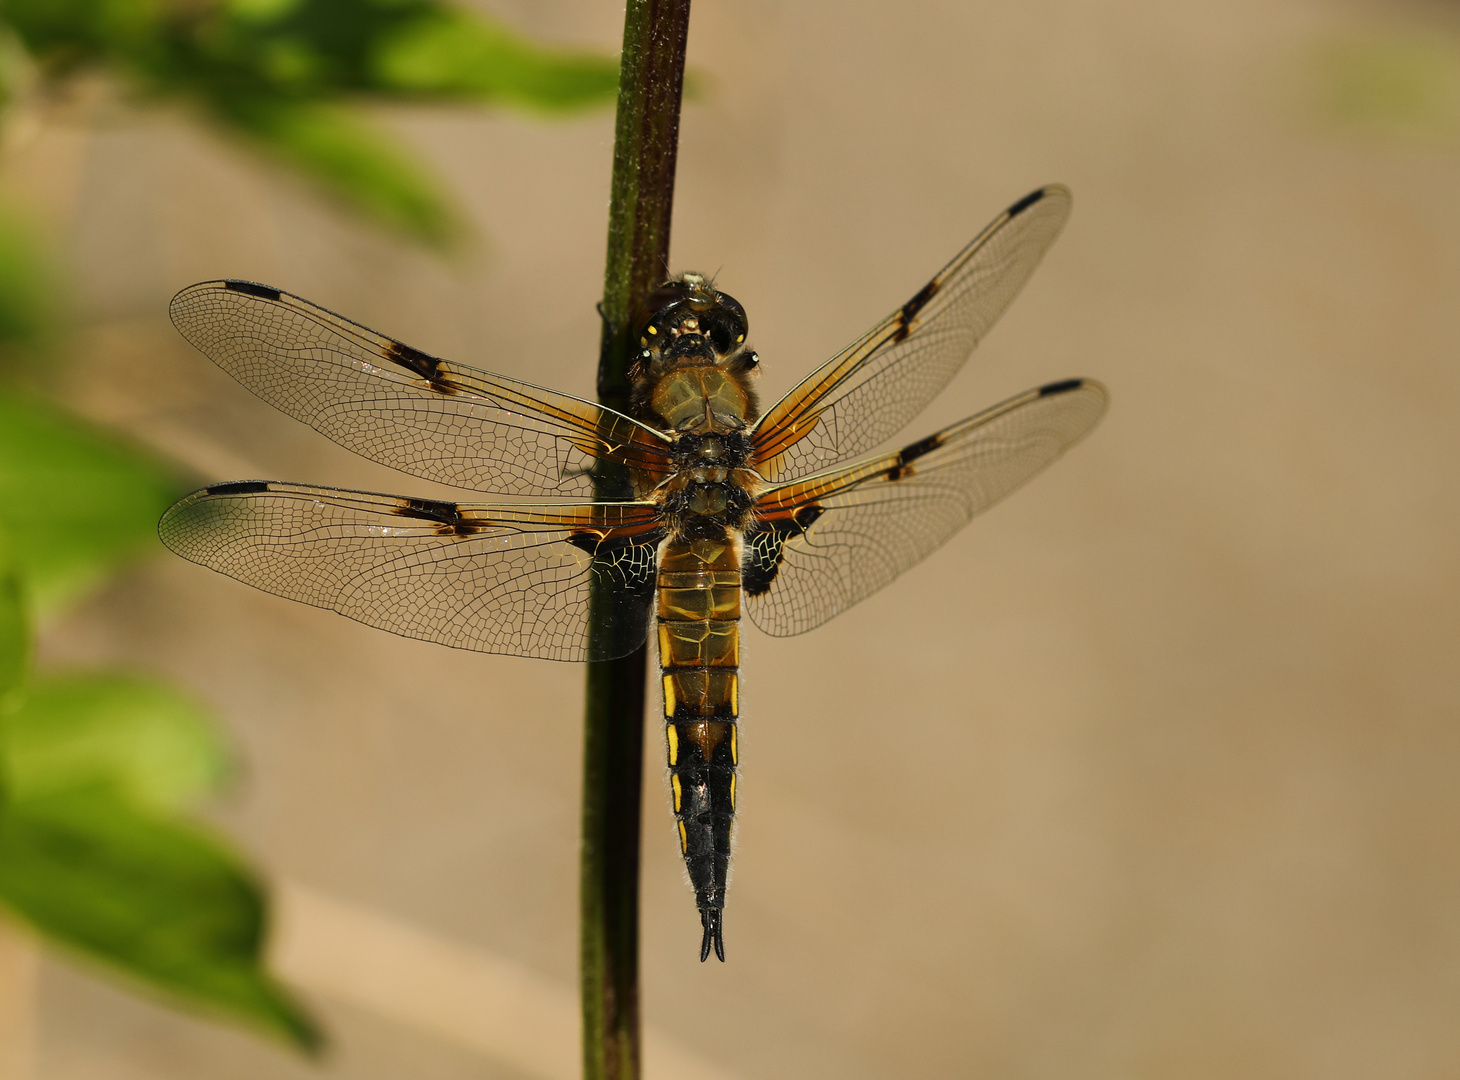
(693, 370)
(687, 321)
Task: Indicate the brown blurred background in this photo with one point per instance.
(1152, 772)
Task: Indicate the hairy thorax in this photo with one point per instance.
(693, 380)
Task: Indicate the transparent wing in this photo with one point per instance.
(398, 406)
(824, 543)
(492, 578)
(868, 392)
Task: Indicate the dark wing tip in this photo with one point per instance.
(1064, 386)
(238, 487)
(714, 935)
(1036, 196)
(174, 518)
(183, 317)
(251, 288)
(1026, 202)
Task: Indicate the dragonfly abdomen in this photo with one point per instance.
(699, 657)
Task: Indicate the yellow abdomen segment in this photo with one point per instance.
(699, 657)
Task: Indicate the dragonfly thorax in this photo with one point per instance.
(712, 487)
(695, 451)
(700, 399)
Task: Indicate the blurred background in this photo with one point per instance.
(1151, 772)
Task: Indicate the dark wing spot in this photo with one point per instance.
(586, 541)
(1026, 202)
(628, 565)
(805, 516)
(630, 542)
(900, 470)
(427, 367)
(912, 307)
(1050, 389)
(238, 487)
(916, 450)
(765, 548)
(762, 561)
(449, 521)
(918, 302)
(251, 288)
(429, 510)
(611, 546)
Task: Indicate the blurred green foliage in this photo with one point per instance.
(97, 770)
(28, 309)
(137, 737)
(75, 501)
(14, 642)
(285, 74)
(1394, 82)
(120, 880)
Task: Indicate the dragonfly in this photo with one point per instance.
(731, 509)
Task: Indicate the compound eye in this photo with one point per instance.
(735, 324)
(661, 310)
(727, 332)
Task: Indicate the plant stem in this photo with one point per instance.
(645, 145)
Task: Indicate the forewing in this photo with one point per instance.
(868, 392)
(396, 405)
(826, 542)
(492, 578)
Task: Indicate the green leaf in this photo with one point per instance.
(354, 163)
(14, 637)
(27, 290)
(145, 741)
(163, 903)
(75, 500)
(452, 54)
(262, 10)
(284, 71)
(1398, 83)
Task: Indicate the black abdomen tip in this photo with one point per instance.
(714, 935)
